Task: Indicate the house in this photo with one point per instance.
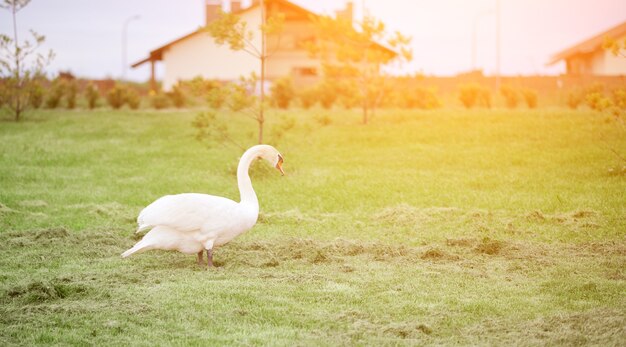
(197, 54)
(590, 58)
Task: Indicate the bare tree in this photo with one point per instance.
(229, 29)
(357, 55)
(21, 67)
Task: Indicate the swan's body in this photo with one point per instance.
(191, 223)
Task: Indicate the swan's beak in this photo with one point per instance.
(279, 165)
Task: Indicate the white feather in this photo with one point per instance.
(192, 222)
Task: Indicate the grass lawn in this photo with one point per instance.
(444, 227)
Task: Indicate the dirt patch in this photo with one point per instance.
(489, 246)
(535, 216)
(438, 254)
(408, 330)
(52, 233)
(42, 291)
(583, 214)
(578, 218)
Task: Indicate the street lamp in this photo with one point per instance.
(124, 30)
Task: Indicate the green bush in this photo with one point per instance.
(159, 101)
(216, 97)
(116, 97)
(282, 92)
(511, 96)
(420, 97)
(598, 101)
(199, 87)
(327, 95)
(132, 99)
(57, 90)
(177, 97)
(618, 96)
(530, 96)
(92, 95)
(473, 94)
(70, 94)
(574, 99)
(37, 95)
(308, 97)
(348, 95)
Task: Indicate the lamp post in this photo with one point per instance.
(124, 35)
(476, 19)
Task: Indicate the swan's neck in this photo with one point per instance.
(248, 196)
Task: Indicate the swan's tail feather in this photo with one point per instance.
(139, 247)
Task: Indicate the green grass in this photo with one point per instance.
(445, 227)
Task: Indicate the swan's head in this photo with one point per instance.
(270, 154)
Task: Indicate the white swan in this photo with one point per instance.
(191, 223)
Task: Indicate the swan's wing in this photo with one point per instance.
(185, 212)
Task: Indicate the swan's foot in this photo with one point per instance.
(200, 262)
(209, 258)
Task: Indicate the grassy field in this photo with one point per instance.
(445, 227)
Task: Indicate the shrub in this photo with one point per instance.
(216, 97)
(530, 96)
(511, 96)
(426, 98)
(282, 92)
(327, 95)
(71, 92)
(484, 97)
(598, 101)
(159, 101)
(92, 95)
(574, 98)
(132, 99)
(116, 97)
(177, 96)
(199, 87)
(347, 93)
(57, 90)
(36, 96)
(308, 97)
(472, 94)
(618, 96)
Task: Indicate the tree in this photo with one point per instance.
(229, 29)
(357, 55)
(21, 67)
(616, 47)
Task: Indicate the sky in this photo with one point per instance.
(86, 35)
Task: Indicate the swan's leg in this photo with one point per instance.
(209, 258)
(208, 245)
(200, 258)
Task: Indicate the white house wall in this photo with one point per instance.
(613, 65)
(199, 55)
